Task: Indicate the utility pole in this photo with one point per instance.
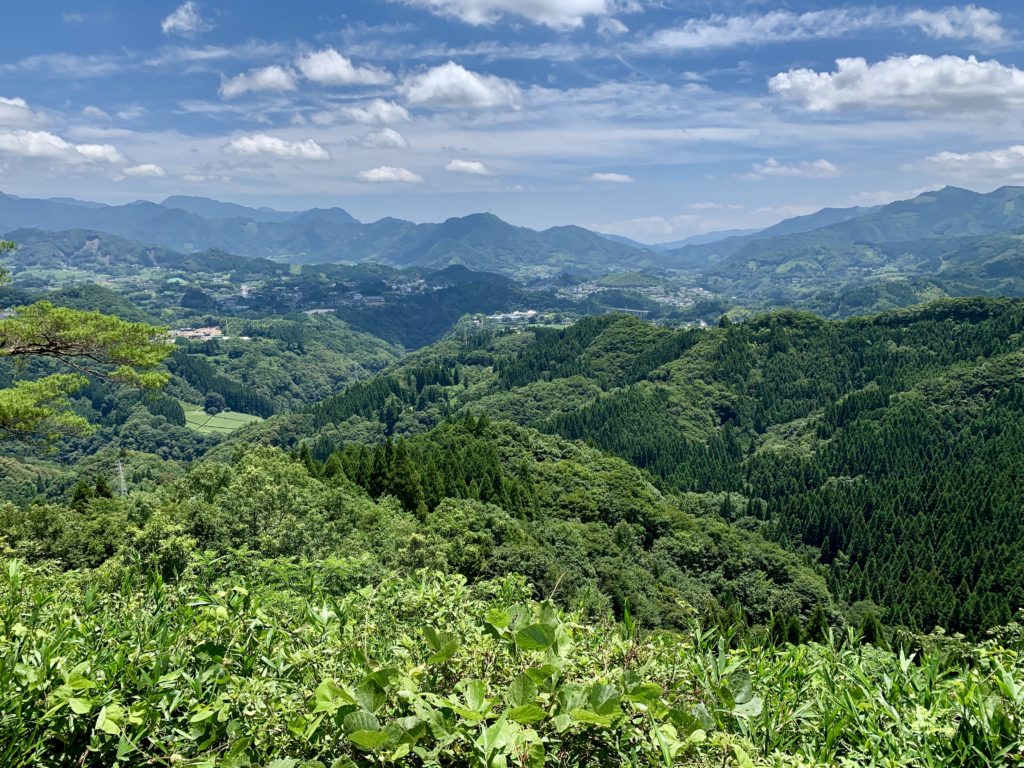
(122, 488)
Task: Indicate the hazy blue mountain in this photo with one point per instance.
(832, 243)
(841, 233)
(215, 209)
(705, 239)
(479, 241)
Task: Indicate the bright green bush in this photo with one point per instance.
(279, 664)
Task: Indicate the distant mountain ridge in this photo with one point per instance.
(191, 224)
(833, 244)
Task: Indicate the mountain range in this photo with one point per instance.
(189, 224)
(946, 242)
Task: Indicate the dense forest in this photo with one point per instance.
(885, 448)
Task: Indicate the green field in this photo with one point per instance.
(223, 423)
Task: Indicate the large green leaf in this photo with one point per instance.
(535, 637)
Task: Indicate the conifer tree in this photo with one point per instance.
(90, 344)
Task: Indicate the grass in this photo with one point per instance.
(224, 423)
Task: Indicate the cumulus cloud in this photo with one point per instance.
(273, 78)
(43, 144)
(376, 112)
(809, 169)
(385, 138)
(610, 178)
(387, 174)
(145, 170)
(185, 21)
(912, 83)
(16, 112)
(262, 144)
(453, 86)
(557, 14)
(328, 67)
(722, 31)
(470, 167)
(995, 163)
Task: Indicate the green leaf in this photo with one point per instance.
(360, 721)
(497, 618)
(740, 687)
(742, 758)
(201, 715)
(645, 693)
(521, 691)
(109, 720)
(405, 730)
(368, 740)
(535, 637)
(330, 696)
(587, 717)
(80, 706)
(751, 708)
(603, 699)
(79, 682)
(370, 696)
(526, 714)
(475, 692)
(445, 653)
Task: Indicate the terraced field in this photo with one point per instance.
(223, 423)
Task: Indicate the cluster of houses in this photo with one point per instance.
(198, 334)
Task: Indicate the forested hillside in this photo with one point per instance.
(887, 448)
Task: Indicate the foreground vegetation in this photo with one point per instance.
(243, 662)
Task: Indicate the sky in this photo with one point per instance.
(653, 119)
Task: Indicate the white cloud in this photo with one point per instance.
(95, 113)
(970, 22)
(376, 112)
(328, 67)
(452, 85)
(722, 31)
(262, 144)
(996, 163)
(69, 65)
(99, 153)
(146, 170)
(914, 83)
(185, 21)
(611, 178)
(385, 138)
(387, 174)
(273, 78)
(651, 229)
(132, 113)
(609, 27)
(470, 167)
(72, 18)
(43, 144)
(809, 169)
(16, 112)
(558, 14)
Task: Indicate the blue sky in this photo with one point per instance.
(656, 119)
